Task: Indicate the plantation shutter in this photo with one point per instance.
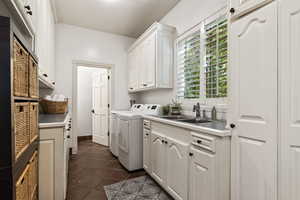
(188, 66)
(216, 58)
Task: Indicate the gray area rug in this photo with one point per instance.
(141, 188)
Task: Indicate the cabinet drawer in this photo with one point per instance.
(204, 141)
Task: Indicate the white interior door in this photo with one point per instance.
(100, 107)
(253, 56)
(289, 99)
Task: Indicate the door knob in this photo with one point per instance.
(232, 10)
(232, 125)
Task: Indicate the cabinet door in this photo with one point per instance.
(149, 61)
(242, 7)
(158, 157)
(31, 12)
(133, 62)
(289, 69)
(202, 176)
(131, 71)
(177, 169)
(146, 150)
(253, 55)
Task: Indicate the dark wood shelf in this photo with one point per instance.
(26, 99)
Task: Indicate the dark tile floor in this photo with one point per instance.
(92, 168)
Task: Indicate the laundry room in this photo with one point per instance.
(150, 99)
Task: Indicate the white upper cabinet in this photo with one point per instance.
(253, 111)
(289, 87)
(148, 62)
(242, 7)
(150, 59)
(133, 82)
(28, 9)
(45, 39)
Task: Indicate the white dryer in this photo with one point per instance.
(131, 136)
(114, 127)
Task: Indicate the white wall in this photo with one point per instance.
(75, 43)
(84, 101)
(183, 16)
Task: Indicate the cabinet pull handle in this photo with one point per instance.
(46, 75)
(29, 13)
(131, 88)
(144, 84)
(27, 7)
(232, 10)
(191, 154)
(232, 126)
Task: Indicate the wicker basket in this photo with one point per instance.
(54, 107)
(21, 126)
(33, 79)
(33, 118)
(22, 188)
(33, 175)
(20, 70)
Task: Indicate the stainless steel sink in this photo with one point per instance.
(194, 121)
(179, 117)
(186, 119)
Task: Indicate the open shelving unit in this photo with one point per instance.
(19, 117)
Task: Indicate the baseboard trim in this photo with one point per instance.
(83, 138)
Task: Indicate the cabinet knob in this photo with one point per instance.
(29, 12)
(199, 141)
(163, 141)
(166, 142)
(232, 10)
(232, 125)
(27, 7)
(131, 88)
(144, 84)
(191, 154)
(46, 75)
(68, 136)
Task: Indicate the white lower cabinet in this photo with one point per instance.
(169, 164)
(177, 168)
(146, 150)
(202, 177)
(158, 154)
(188, 165)
(52, 169)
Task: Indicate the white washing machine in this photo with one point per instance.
(131, 136)
(114, 127)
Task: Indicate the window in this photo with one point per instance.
(216, 58)
(188, 62)
(202, 61)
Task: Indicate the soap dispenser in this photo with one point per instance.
(214, 113)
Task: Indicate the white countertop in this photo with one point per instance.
(214, 128)
(53, 120)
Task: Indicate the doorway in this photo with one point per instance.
(91, 103)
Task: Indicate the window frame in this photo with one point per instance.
(220, 102)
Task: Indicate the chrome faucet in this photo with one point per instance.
(196, 109)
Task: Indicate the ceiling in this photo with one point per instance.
(125, 17)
